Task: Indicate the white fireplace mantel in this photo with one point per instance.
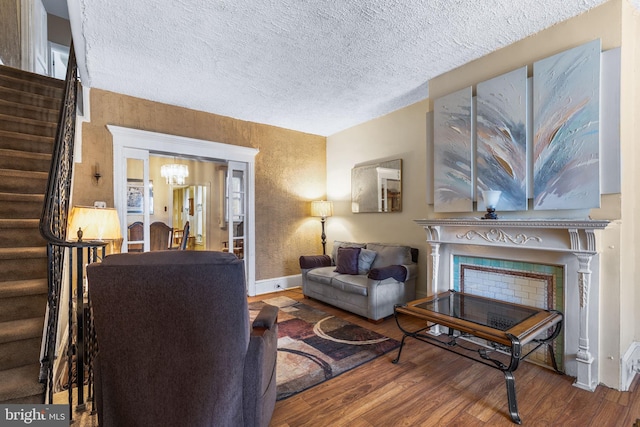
(577, 237)
(541, 234)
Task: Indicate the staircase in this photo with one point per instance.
(29, 109)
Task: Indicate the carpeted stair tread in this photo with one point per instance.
(24, 160)
(18, 330)
(20, 233)
(30, 182)
(51, 89)
(22, 198)
(23, 253)
(28, 126)
(25, 142)
(20, 342)
(21, 206)
(16, 288)
(19, 223)
(28, 111)
(22, 352)
(12, 95)
(20, 383)
(29, 76)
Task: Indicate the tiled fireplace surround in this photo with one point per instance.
(566, 246)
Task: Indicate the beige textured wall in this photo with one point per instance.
(402, 134)
(290, 170)
(10, 32)
(630, 136)
(398, 135)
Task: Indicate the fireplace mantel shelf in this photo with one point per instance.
(564, 235)
(520, 223)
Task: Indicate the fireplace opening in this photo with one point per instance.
(526, 283)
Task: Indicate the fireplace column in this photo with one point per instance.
(584, 252)
(585, 379)
(433, 238)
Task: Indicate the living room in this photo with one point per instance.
(288, 177)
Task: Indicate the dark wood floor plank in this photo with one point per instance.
(634, 403)
(607, 411)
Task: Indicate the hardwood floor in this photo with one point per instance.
(433, 387)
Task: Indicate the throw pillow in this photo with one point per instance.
(347, 261)
(398, 272)
(339, 244)
(365, 260)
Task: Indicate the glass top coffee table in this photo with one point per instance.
(506, 328)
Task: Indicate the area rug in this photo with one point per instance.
(314, 346)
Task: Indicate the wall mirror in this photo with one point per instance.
(377, 187)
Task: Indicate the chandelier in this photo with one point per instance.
(174, 173)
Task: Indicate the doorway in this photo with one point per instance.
(218, 199)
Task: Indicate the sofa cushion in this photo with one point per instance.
(322, 275)
(390, 254)
(365, 260)
(338, 244)
(347, 260)
(351, 283)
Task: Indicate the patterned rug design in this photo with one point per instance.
(314, 346)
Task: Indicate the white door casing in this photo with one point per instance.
(172, 145)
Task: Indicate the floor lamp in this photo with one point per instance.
(322, 209)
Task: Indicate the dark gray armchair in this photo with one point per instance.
(175, 347)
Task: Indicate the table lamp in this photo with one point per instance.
(91, 223)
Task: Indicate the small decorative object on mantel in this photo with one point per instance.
(491, 198)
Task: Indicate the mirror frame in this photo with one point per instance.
(367, 181)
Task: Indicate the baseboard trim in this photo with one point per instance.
(630, 364)
(278, 284)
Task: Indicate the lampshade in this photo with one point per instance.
(491, 198)
(174, 173)
(96, 223)
(322, 208)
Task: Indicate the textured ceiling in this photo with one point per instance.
(317, 66)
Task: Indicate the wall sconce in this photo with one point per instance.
(491, 198)
(322, 209)
(91, 223)
(96, 173)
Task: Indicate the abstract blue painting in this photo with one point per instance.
(566, 99)
(501, 129)
(453, 191)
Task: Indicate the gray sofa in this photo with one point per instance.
(384, 275)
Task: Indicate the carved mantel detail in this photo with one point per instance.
(498, 235)
(575, 236)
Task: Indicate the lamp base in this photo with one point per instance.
(491, 214)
